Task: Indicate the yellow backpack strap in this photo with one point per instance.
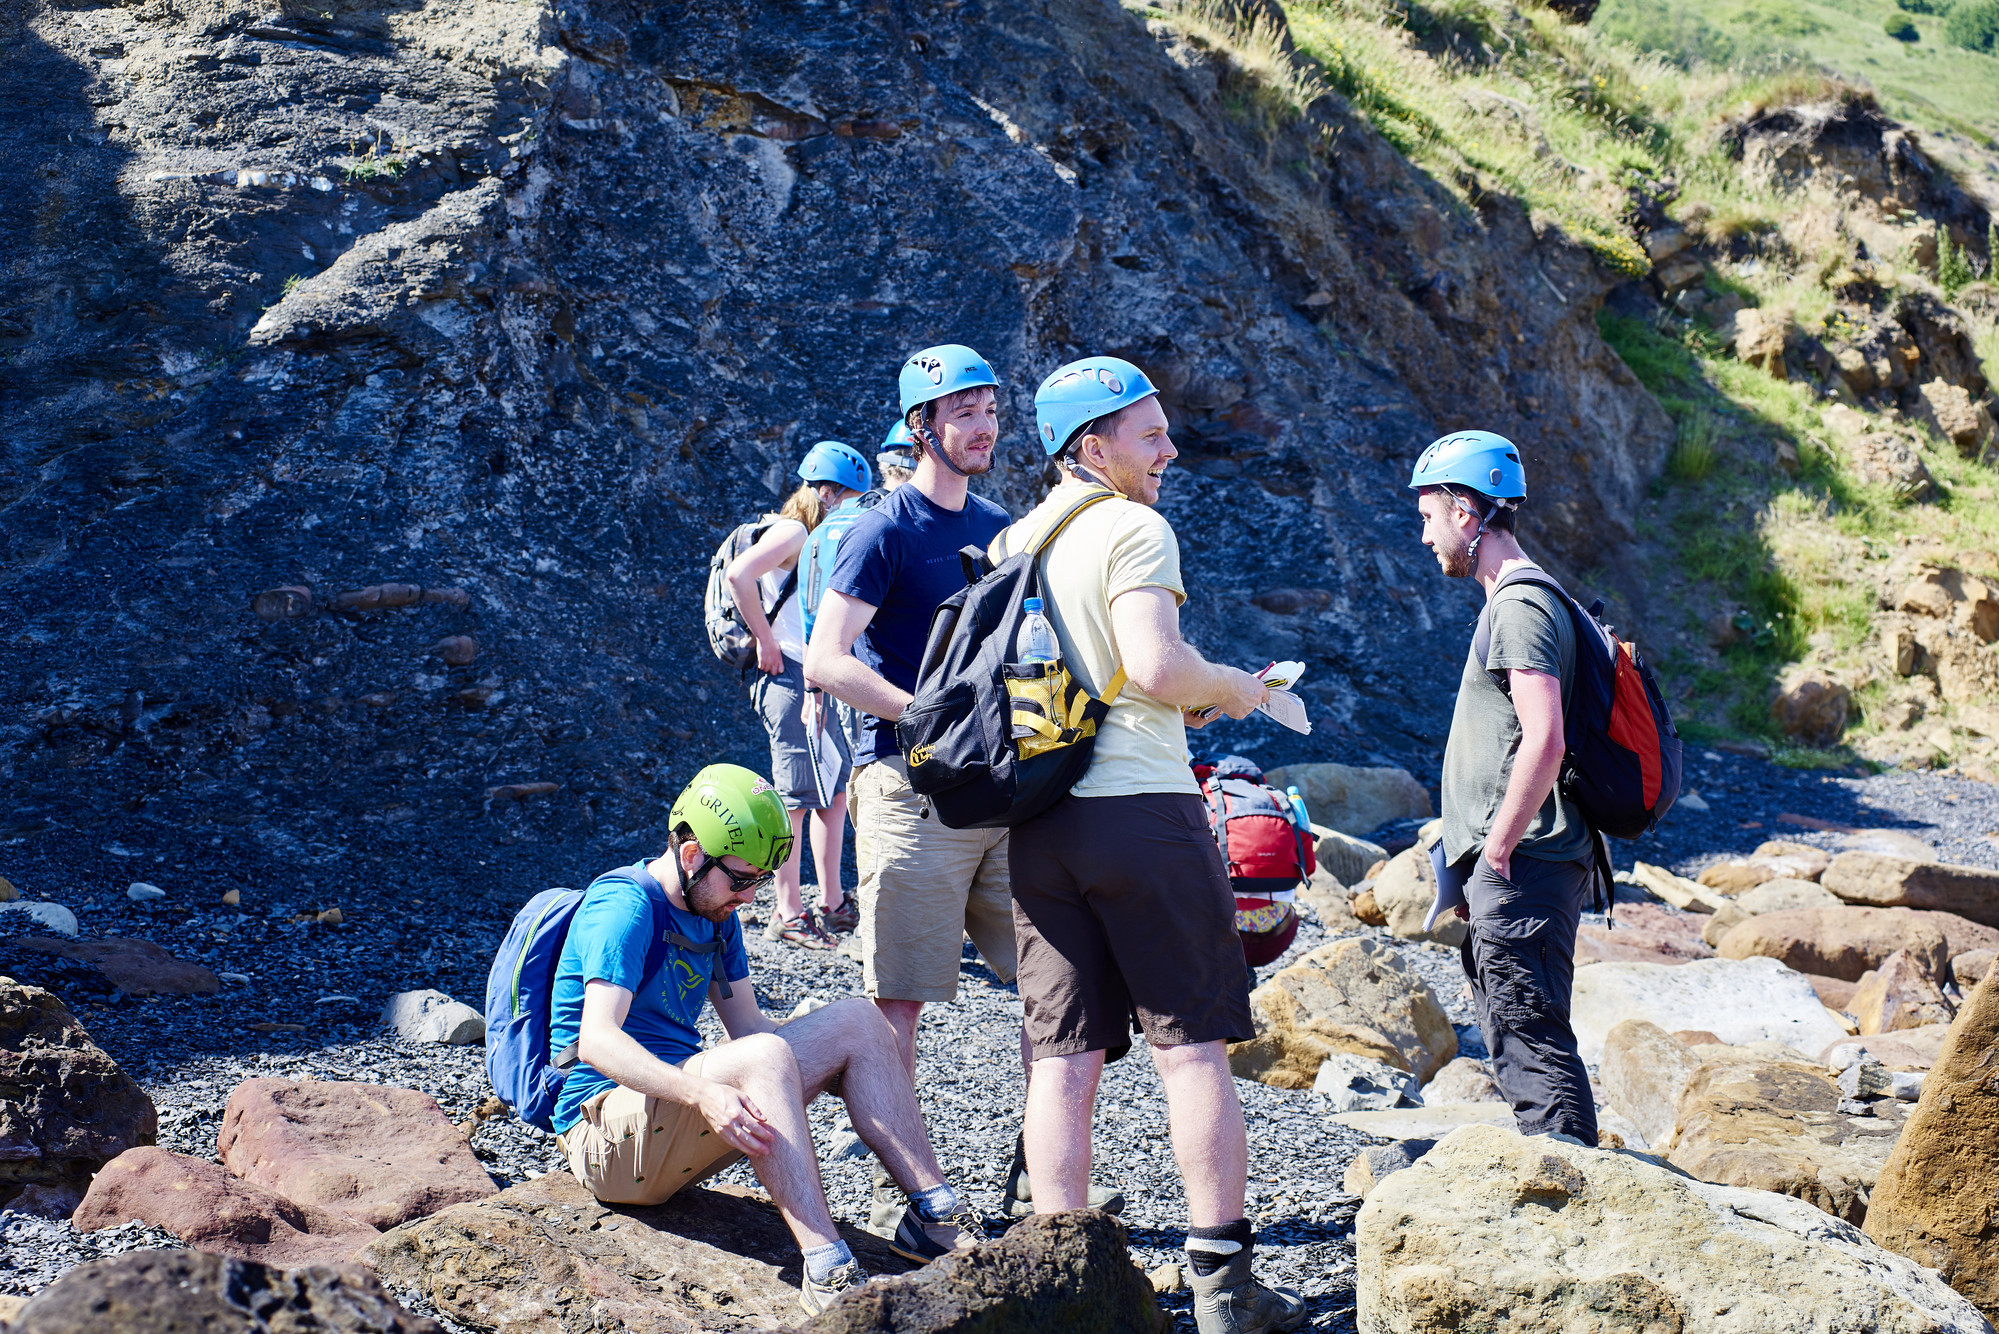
(1115, 688)
(1095, 495)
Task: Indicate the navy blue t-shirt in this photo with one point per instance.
(901, 558)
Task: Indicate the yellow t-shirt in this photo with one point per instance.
(1111, 548)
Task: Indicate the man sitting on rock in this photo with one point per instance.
(645, 1111)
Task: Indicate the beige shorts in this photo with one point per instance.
(631, 1149)
(924, 888)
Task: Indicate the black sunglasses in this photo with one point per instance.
(752, 883)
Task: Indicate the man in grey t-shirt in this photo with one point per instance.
(1519, 848)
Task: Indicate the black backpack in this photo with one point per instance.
(994, 743)
(1622, 764)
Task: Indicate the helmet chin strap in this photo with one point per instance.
(929, 440)
(1478, 537)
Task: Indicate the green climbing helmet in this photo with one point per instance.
(734, 812)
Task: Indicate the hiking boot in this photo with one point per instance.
(801, 931)
(843, 919)
(1018, 1195)
(816, 1297)
(923, 1239)
(1231, 1301)
(885, 1209)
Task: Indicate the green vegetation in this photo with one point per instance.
(1902, 28)
(1973, 25)
(376, 169)
(1765, 549)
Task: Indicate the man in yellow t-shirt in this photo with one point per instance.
(1121, 904)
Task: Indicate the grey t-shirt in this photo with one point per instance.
(1531, 629)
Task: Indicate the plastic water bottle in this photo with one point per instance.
(1036, 641)
(1302, 820)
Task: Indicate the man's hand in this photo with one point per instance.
(1195, 719)
(808, 712)
(1241, 691)
(770, 658)
(1500, 860)
(736, 1119)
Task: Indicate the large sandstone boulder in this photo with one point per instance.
(1493, 1231)
(1644, 933)
(1785, 895)
(547, 1258)
(207, 1208)
(1935, 1200)
(1403, 893)
(1345, 857)
(67, 1108)
(1901, 993)
(1775, 860)
(1838, 942)
(1908, 1049)
(1882, 881)
(185, 1292)
(1776, 1125)
(1289, 1058)
(1354, 800)
(1738, 1000)
(1811, 706)
(1364, 984)
(135, 967)
(380, 1156)
(1465, 1080)
(1641, 1074)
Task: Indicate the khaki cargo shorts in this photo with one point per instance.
(628, 1148)
(924, 888)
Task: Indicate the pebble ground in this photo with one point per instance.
(414, 923)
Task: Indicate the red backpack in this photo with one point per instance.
(1267, 853)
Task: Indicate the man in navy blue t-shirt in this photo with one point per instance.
(924, 887)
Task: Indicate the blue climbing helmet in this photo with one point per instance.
(831, 461)
(1486, 463)
(948, 368)
(1081, 392)
(898, 448)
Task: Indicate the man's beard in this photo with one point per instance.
(970, 470)
(1458, 563)
(706, 900)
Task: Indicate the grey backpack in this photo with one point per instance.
(727, 634)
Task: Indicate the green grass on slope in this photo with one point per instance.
(1926, 81)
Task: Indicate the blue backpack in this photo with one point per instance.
(815, 570)
(520, 996)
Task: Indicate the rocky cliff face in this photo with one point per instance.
(379, 377)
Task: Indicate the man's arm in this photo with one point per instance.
(603, 1043)
(739, 1012)
(1146, 624)
(1537, 699)
(830, 664)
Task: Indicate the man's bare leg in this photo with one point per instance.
(902, 1016)
(853, 1041)
(1209, 1140)
(763, 1067)
(1061, 1102)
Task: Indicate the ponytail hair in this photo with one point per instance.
(805, 506)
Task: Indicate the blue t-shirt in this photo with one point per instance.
(607, 943)
(901, 558)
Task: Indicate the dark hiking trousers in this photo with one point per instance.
(1520, 957)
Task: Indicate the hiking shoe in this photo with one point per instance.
(816, 1297)
(843, 919)
(801, 931)
(923, 1240)
(1231, 1301)
(1018, 1193)
(886, 1206)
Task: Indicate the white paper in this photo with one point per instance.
(1283, 706)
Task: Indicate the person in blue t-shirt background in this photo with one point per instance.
(645, 1111)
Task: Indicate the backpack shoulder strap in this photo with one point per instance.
(1002, 548)
(1527, 574)
(665, 935)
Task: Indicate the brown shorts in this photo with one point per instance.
(1122, 911)
(628, 1148)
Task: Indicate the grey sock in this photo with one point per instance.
(937, 1203)
(823, 1260)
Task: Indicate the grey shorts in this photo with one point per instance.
(807, 771)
